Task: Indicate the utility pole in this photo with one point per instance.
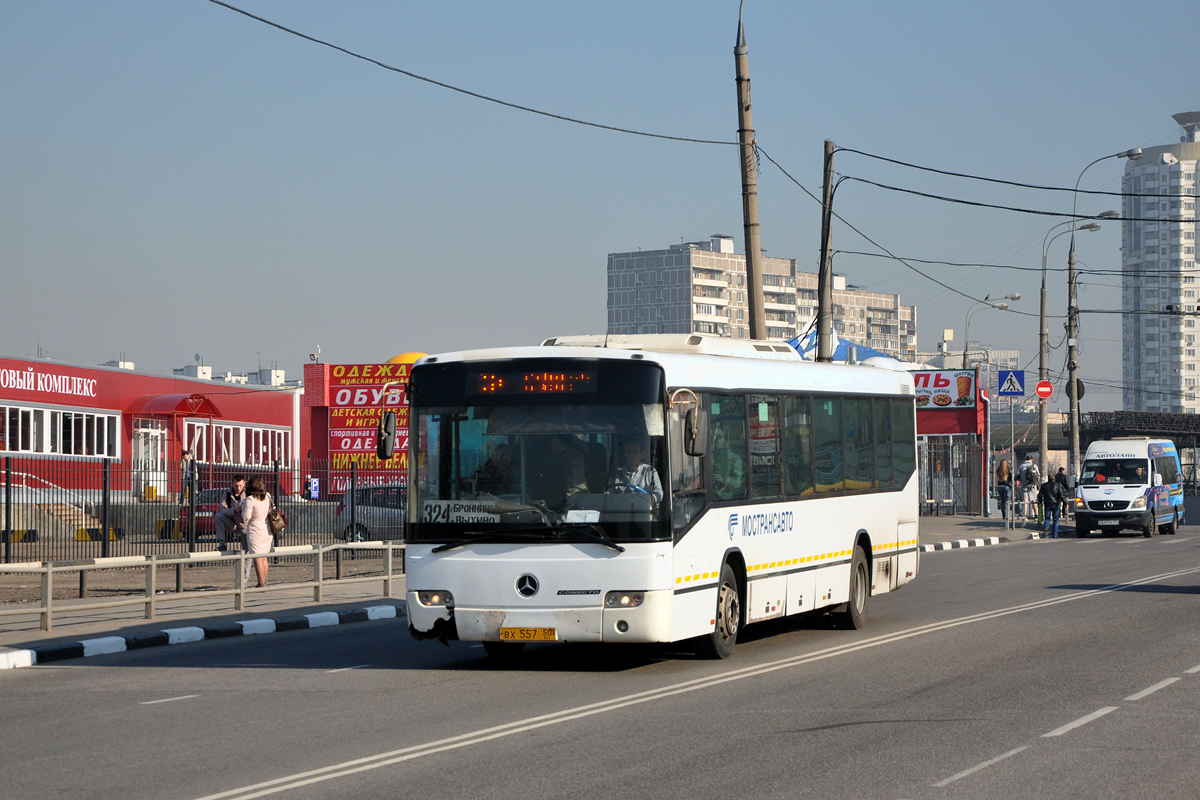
(1072, 360)
(1044, 375)
(754, 282)
(825, 271)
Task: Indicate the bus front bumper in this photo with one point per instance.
(1131, 520)
(648, 622)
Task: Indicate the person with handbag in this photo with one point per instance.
(255, 512)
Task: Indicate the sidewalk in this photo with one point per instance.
(938, 530)
(24, 631)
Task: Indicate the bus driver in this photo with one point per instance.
(636, 476)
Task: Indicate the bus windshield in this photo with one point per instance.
(1114, 471)
(538, 449)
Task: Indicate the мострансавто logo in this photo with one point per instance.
(760, 524)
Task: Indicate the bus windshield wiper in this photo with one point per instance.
(491, 536)
(595, 533)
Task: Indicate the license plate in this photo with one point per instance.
(1104, 523)
(528, 635)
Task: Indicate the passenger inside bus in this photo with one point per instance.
(729, 471)
(557, 469)
(496, 476)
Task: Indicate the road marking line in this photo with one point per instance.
(1193, 670)
(1070, 726)
(977, 767)
(168, 700)
(345, 768)
(1151, 690)
(347, 669)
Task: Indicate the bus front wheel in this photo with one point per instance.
(719, 643)
(854, 616)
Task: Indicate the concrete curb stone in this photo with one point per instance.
(961, 543)
(13, 659)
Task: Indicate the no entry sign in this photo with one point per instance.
(1044, 389)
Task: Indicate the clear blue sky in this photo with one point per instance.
(176, 178)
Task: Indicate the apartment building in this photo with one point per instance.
(1159, 361)
(700, 287)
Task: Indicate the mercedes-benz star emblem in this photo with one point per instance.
(527, 585)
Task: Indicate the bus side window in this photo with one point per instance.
(883, 443)
(904, 440)
(797, 432)
(827, 441)
(765, 477)
(728, 452)
(687, 475)
(858, 426)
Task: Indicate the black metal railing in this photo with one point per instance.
(58, 509)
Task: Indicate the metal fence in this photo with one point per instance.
(58, 509)
(950, 472)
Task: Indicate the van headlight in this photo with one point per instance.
(624, 599)
(436, 599)
(1079, 502)
(1138, 503)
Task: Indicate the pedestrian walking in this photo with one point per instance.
(258, 532)
(1031, 480)
(1052, 497)
(1004, 486)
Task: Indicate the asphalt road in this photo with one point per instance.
(1067, 668)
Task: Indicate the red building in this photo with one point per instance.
(90, 414)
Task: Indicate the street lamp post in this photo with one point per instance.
(986, 302)
(1044, 334)
(1073, 315)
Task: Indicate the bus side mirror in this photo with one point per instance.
(385, 444)
(1158, 479)
(695, 433)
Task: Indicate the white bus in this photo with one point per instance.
(654, 488)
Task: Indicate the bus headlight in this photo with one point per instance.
(624, 599)
(436, 599)
(1138, 503)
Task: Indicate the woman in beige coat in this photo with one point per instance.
(254, 521)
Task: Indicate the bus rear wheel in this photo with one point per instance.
(1171, 527)
(854, 615)
(720, 643)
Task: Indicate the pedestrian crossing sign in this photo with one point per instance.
(1012, 383)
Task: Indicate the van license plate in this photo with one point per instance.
(528, 635)
(1108, 523)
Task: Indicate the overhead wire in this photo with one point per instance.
(1017, 184)
(758, 148)
(467, 92)
(1018, 209)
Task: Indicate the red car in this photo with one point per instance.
(208, 503)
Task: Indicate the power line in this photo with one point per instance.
(1019, 209)
(890, 254)
(1018, 184)
(460, 90)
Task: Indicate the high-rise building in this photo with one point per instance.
(1159, 364)
(700, 287)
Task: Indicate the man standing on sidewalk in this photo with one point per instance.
(1061, 477)
(1051, 496)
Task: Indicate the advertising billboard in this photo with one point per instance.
(950, 389)
(358, 395)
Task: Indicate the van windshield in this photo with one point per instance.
(1114, 471)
